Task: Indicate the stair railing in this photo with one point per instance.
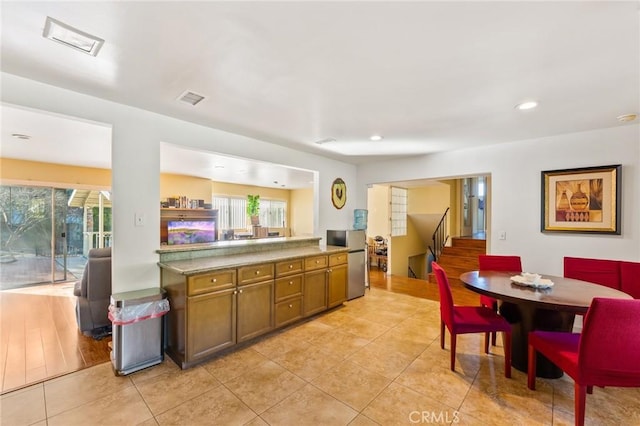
(411, 274)
(440, 236)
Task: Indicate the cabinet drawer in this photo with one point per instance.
(204, 283)
(288, 286)
(288, 311)
(338, 259)
(255, 273)
(315, 262)
(289, 267)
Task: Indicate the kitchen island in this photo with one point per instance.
(229, 292)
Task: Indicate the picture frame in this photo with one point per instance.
(582, 200)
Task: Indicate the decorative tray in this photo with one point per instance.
(535, 282)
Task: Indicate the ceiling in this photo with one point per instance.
(427, 76)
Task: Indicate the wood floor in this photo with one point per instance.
(39, 338)
(420, 288)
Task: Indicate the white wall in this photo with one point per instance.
(136, 170)
(515, 170)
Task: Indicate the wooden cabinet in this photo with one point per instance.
(211, 324)
(255, 310)
(215, 310)
(337, 279)
(315, 292)
(288, 294)
(315, 285)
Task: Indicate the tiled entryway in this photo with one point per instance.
(377, 360)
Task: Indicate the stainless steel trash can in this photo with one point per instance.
(137, 319)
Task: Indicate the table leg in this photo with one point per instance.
(525, 318)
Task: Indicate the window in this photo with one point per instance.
(398, 211)
(273, 213)
(232, 212)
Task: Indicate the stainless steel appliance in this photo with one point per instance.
(356, 241)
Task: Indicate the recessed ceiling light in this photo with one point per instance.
(626, 118)
(72, 37)
(376, 138)
(21, 136)
(190, 98)
(526, 105)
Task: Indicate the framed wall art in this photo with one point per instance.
(585, 200)
(338, 193)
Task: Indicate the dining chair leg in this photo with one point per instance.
(531, 368)
(580, 396)
(441, 334)
(453, 351)
(486, 343)
(506, 339)
(494, 334)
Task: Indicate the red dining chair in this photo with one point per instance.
(598, 271)
(469, 319)
(607, 353)
(492, 262)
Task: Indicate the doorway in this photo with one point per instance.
(473, 192)
(45, 234)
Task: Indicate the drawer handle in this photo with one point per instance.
(257, 272)
(214, 280)
(291, 306)
(239, 291)
(290, 266)
(317, 261)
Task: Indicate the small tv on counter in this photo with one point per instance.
(191, 231)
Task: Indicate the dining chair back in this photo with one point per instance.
(469, 319)
(607, 353)
(493, 262)
(598, 271)
(630, 278)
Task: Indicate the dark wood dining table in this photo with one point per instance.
(528, 308)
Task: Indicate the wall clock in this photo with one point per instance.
(338, 193)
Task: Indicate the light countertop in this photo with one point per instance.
(207, 264)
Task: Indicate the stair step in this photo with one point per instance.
(468, 262)
(463, 251)
(468, 242)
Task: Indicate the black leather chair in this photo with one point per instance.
(94, 294)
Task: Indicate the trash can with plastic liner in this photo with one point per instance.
(137, 329)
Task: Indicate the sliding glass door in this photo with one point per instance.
(43, 234)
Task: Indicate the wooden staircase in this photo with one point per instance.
(460, 257)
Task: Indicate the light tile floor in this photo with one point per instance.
(377, 360)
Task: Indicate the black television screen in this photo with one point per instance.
(191, 231)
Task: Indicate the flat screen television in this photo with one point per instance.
(191, 231)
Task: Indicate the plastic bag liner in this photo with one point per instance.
(135, 313)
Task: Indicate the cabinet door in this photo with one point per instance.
(337, 285)
(211, 323)
(315, 292)
(255, 310)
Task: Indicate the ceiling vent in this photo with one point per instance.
(190, 98)
(71, 37)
